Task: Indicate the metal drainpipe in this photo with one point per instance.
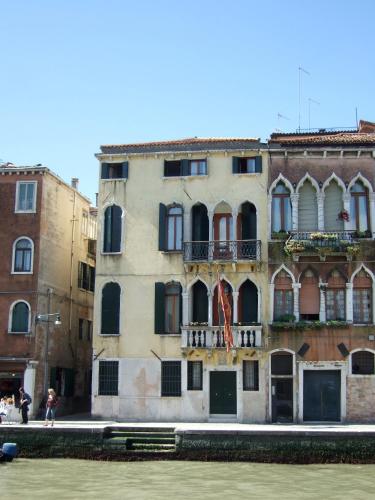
(71, 267)
(46, 344)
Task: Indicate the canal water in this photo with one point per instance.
(56, 479)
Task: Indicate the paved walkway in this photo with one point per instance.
(235, 428)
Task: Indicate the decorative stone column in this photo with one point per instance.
(210, 232)
(269, 216)
(29, 383)
(322, 308)
(372, 213)
(348, 225)
(320, 201)
(210, 315)
(271, 288)
(235, 296)
(185, 308)
(233, 235)
(294, 201)
(296, 287)
(187, 226)
(349, 302)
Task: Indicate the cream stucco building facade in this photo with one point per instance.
(172, 216)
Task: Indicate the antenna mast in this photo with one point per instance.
(300, 70)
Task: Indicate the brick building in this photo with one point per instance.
(321, 273)
(47, 267)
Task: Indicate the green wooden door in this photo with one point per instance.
(321, 395)
(223, 393)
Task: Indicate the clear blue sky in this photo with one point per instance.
(79, 73)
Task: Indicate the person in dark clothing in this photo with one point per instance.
(25, 400)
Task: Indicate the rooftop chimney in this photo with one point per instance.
(75, 182)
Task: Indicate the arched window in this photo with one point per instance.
(20, 318)
(200, 303)
(283, 297)
(112, 229)
(22, 255)
(110, 324)
(281, 209)
(172, 318)
(218, 317)
(168, 307)
(307, 208)
(335, 297)
(248, 303)
(359, 207)
(362, 298)
(363, 363)
(309, 296)
(174, 227)
(333, 206)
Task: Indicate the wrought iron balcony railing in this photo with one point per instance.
(212, 337)
(324, 238)
(232, 251)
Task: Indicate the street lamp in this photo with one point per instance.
(49, 318)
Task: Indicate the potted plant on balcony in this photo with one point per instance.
(280, 235)
(294, 246)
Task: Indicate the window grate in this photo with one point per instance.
(108, 378)
(363, 363)
(171, 378)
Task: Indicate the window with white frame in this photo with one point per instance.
(281, 209)
(359, 207)
(362, 298)
(19, 318)
(22, 256)
(195, 375)
(26, 196)
(251, 375)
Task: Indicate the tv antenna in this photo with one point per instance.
(300, 71)
(313, 102)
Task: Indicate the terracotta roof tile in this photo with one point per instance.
(189, 144)
(324, 139)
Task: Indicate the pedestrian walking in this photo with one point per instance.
(25, 401)
(51, 407)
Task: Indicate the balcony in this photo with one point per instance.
(212, 337)
(224, 251)
(322, 243)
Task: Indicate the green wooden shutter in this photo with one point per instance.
(110, 321)
(333, 205)
(180, 306)
(105, 171)
(107, 229)
(235, 165)
(185, 167)
(125, 169)
(52, 378)
(258, 164)
(116, 229)
(307, 208)
(162, 226)
(159, 308)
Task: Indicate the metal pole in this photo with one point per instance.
(46, 344)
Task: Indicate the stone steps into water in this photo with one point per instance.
(140, 439)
